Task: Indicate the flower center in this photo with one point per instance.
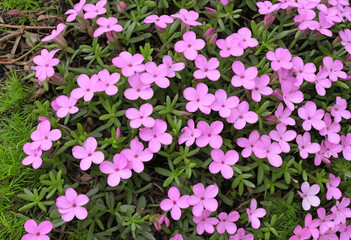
(136, 156)
(138, 90)
(202, 198)
(117, 169)
(141, 117)
(46, 137)
(130, 65)
(209, 135)
(38, 234)
(46, 65)
(256, 88)
(88, 90)
(189, 45)
(155, 136)
(197, 100)
(242, 77)
(174, 202)
(303, 147)
(108, 26)
(206, 69)
(74, 205)
(155, 76)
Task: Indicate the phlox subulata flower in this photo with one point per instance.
(331, 129)
(283, 115)
(341, 211)
(155, 74)
(34, 156)
(206, 68)
(312, 116)
(76, 11)
(305, 146)
(332, 186)
(130, 64)
(175, 203)
(240, 115)
(282, 136)
(261, 88)
(108, 82)
(240, 235)
(189, 134)
(45, 63)
(56, 36)
(107, 25)
(223, 162)
(92, 11)
(249, 144)
(187, 17)
(35, 231)
(334, 69)
(255, 213)
(224, 105)
(70, 205)
(172, 66)
(226, 222)
(116, 170)
(88, 154)
(199, 98)
(203, 199)
(339, 110)
(308, 195)
(243, 77)
(43, 136)
(160, 21)
(87, 87)
(205, 223)
(141, 116)
(138, 89)
(346, 146)
(265, 148)
(189, 45)
(281, 58)
(300, 233)
(210, 134)
(64, 105)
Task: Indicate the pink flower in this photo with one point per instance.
(88, 154)
(116, 170)
(305, 145)
(45, 62)
(300, 234)
(229, 46)
(189, 134)
(339, 110)
(141, 117)
(109, 81)
(94, 10)
(322, 82)
(210, 134)
(206, 68)
(177, 237)
(331, 149)
(312, 225)
(261, 88)
(332, 186)
(65, 105)
(266, 7)
(346, 146)
(203, 199)
(34, 156)
(283, 115)
(187, 17)
(345, 36)
(308, 195)
(156, 135)
(311, 116)
(160, 21)
(282, 136)
(107, 25)
(240, 115)
(327, 222)
(320, 155)
(138, 89)
(56, 35)
(281, 58)
(137, 155)
(345, 231)
(245, 39)
(255, 213)
(43, 137)
(334, 69)
(129, 63)
(302, 71)
(224, 104)
(240, 235)
(70, 205)
(155, 74)
(121, 7)
(87, 87)
(305, 19)
(222, 163)
(172, 67)
(189, 46)
(249, 144)
(204, 223)
(76, 11)
(199, 98)
(35, 231)
(331, 130)
(174, 203)
(245, 78)
(226, 222)
(340, 211)
(291, 94)
(266, 149)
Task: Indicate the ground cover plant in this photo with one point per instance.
(193, 120)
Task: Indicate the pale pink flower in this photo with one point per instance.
(243, 77)
(189, 46)
(339, 110)
(334, 69)
(322, 82)
(156, 135)
(129, 63)
(172, 66)
(141, 116)
(65, 105)
(341, 211)
(162, 219)
(138, 89)
(332, 186)
(320, 156)
(205, 223)
(88, 154)
(332, 149)
(70, 205)
(35, 231)
(305, 19)
(327, 222)
(174, 203)
(346, 146)
(34, 156)
(76, 11)
(283, 115)
(206, 68)
(245, 39)
(291, 94)
(56, 36)
(312, 225)
(303, 71)
(92, 11)
(229, 46)
(199, 98)
(312, 116)
(308, 195)
(155, 74)
(345, 232)
(267, 7)
(210, 134)
(305, 145)
(345, 36)
(261, 88)
(269, 150)
(331, 129)
(177, 237)
(249, 144)
(255, 213)
(87, 87)
(226, 222)
(223, 162)
(43, 137)
(300, 234)
(240, 235)
(284, 4)
(107, 25)
(45, 63)
(224, 104)
(189, 134)
(160, 21)
(109, 81)
(282, 136)
(116, 170)
(281, 58)
(203, 199)
(240, 115)
(187, 17)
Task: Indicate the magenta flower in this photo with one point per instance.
(322, 82)
(205, 223)
(156, 135)
(92, 11)
(312, 225)
(226, 222)
(203, 199)
(160, 21)
(340, 211)
(172, 66)
(331, 150)
(88, 154)
(35, 231)
(87, 87)
(162, 219)
(305, 145)
(283, 115)
(345, 231)
(70, 205)
(291, 94)
(331, 130)
(76, 11)
(267, 7)
(34, 156)
(224, 104)
(155, 74)
(137, 155)
(345, 36)
(249, 144)
(334, 69)
(240, 235)
(308, 195)
(177, 237)
(206, 68)
(261, 88)
(245, 39)
(199, 98)
(107, 25)
(244, 77)
(187, 17)
(281, 59)
(327, 222)
(222, 163)
(43, 137)
(302, 71)
(346, 146)
(189, 134)
(174, 203)
(129, 63)
(116, 170)
(311, 116)
(339, 110)
(141, 117)
(266, 149)
(229, 46)
(45, 62)
(65, 105)
(332, 186)
(109, 81)
(320, 155)
(240, 115)
(305, 19)
(282, 136)
(300, 234)
(210, 134)
(56, 36)
(255, 213)
(189, 46)
(138, 89)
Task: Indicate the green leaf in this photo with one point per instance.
(163, 172)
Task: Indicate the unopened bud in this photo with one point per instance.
(268, 19)
(336, 40)
(58, 77)
(212, 12)
(278, 94)
(86, 178)
(348, 59)
(213, 38)
(271, 120)
(42, 119)
(14, 12)
(118, 132)
(185, 113)
(208, 33)
(121, 7)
